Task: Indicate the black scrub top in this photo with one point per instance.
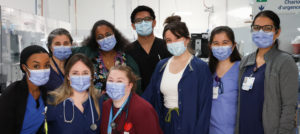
(147, 62)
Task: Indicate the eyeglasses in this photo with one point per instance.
(140, 20)
(265, 28)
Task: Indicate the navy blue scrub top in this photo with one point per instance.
(55, 80)
(251, 102)
(34, 116)
(81, 122)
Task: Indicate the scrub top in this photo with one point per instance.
(55, 80)
(223, 112)
(34, 116)
(251, 105)
(81, 122)
(147, 62)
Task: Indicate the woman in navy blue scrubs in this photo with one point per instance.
(59, 47)
(75, 106)
(180, 89)
(268, 85)
(224, 61)
(22, 103)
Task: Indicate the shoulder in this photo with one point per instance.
(162, 62)
(85, 50)
(198, 64)
(140, 105)
(131, 48)
(284, 57)
(15, 88)
(245, 59)
(107, 104)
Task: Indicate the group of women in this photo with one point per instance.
(92, 89)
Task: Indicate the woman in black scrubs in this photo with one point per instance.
(22, 102)
(268, 82)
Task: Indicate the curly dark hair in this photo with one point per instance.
(91, 41)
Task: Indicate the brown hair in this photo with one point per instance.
(65, 90)
(178, 28)
(129, 73)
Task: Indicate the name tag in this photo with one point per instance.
(215, 92)
(126, 132)
(248, 83)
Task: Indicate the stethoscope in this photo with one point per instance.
(92, 127)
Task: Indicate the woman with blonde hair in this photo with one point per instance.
(75, 105)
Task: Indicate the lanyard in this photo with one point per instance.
(111, 118)
(60, 73)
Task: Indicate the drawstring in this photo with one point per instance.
(168, 116)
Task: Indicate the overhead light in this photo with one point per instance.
(298, 29)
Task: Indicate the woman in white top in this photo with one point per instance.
(180, 89)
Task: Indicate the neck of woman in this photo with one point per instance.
(111, 53)
(119, 103)
(263, 51)
(59, 63)
(183, 57)
(79, 97)
(33, 89)
(223, 66)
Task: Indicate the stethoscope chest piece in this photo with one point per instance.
(93, 127)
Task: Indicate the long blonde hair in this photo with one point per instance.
(65, 90)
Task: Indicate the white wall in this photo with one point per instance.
(233, 13)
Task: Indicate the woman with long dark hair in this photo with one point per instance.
(105, 47)
(224, 64)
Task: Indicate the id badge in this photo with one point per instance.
(248, 83)
(215, 92)
(126, 132)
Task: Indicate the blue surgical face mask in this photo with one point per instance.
(115, 90)
(144, 28)
(62, 52)
(221, 52)
(39, 77)
(80, 83)
(176, 48)
(262, 39)
(107, 43)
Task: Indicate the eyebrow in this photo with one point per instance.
(36, 61)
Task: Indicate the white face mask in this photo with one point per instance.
(39, 77)
(176, 48)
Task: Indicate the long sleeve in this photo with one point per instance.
(289, 91)
(7, 112)
(204, 101)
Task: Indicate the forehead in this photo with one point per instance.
(117, 74)
(263, 21)
(142, 14)
(103, 29)
(38, 57)
(79, 66)
(61, 38)
(220, 37)
(170, 35)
